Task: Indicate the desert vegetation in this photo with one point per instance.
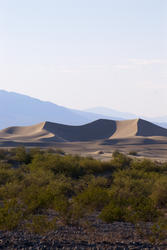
(43, 189)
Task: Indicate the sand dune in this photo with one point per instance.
(48, 131)
(137, 127)
(97, 130)
(35, 132)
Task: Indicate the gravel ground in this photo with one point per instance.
(116, 236)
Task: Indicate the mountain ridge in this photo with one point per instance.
(22, 110)
(111, 112)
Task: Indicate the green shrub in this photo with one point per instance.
(158, 231)
(21, 155)
(120, 160)
(6, 176)
(36, 198)
(134, 210)
(11, 215)
(142, 209)
(145, 165)
(113, 212)
(130, 183)
(2, 154)
(93, 198)
(59, 151)
(41, 224)
(74, 187)
(159, 192)
(134, 153)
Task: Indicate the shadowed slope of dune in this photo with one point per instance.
(100, 129)
(146, 128)
(48, 132)
(137, 127)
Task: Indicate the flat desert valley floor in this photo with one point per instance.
(156, 151)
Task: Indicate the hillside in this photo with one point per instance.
(21, 110)
(111, 112)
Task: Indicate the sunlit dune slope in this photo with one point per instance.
(137, 127)
(48, 131)
(98, 130)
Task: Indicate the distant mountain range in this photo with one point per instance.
(21, 110)
(111, 112)
(161, 121)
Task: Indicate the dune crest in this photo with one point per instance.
(137, 127)
(98, 130)
(126, 128)
(34, 132)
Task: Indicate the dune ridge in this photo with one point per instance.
(137, 127)
(34, 132)
(98, 130)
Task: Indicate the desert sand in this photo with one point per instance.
(98, 139)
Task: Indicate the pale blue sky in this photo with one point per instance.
(86, 53)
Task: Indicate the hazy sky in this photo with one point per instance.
(86, 53)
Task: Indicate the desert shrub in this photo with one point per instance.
(159, 192)
(59, 151)
(62, 190)
(158, 231)
(40, 177)
(62, 206)
(141, 209)
(21, 155)
(99, 181)
(62, 185)
(57, 164)
(134, 153)
(90, 166)
(82, 183)
(55, 151)
(146, 165)
(11, 215)
(116, 154)
(120, 160)
(107, 167)
(35, 198)
(41, 224)
(5, 165)
(6, 176)
(42, 192)
(133, 210)
(73, 166)
(121, 189)
(35, 151)
(93, 198)
(130, 183)
(113, 212)
(3, 154)
(129, 197)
